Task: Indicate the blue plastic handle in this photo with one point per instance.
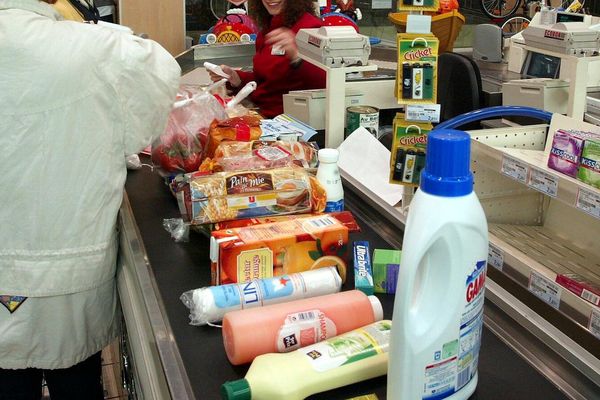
(493, 112)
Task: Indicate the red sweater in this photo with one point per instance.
(273, 74)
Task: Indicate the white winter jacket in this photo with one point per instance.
(74, 100)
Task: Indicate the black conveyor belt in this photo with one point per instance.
(179, 267)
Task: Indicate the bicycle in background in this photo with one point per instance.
(501, 10)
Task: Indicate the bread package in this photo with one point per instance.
(222, 196)
(237, 128)
(258, 154)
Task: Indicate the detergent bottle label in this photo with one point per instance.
(350, 347)
(471, 325)
(304, 328)
(456, 361)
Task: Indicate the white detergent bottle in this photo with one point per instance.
(438, 309)
(328, 175)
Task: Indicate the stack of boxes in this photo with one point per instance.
(576, 154)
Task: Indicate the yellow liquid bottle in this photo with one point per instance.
(345, 359)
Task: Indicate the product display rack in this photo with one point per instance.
(536, 228)
(542, 222)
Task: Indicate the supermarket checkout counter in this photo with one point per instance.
(166, 358)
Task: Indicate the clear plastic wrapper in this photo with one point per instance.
(209, 304)
(206, 198)
(244, 129)
(179, 230)
(258, 154)
(180, 147)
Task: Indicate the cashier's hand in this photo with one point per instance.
(284, 39)
(234, 78)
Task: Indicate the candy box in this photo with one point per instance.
(284, 247)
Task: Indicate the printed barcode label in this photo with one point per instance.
(591, 297)
(321, 222)
(545, 289)
(514, 169)
(589, 202)
(543, 182)
(303, 316)
(495, 257)
(423, 112)
(594, 326)
(463, 378)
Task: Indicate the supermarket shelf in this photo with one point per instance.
(533, 256)
(529, 168)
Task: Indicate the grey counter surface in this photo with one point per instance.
(178, 267)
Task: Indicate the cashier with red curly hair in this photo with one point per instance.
(277, 68)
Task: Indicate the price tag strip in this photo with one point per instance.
(423, 112)
(545, 289)
(594, 325)
(588, 202)
(515, 169)
(543, 182)
(495, 257)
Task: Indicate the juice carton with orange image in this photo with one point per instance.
(284, 247)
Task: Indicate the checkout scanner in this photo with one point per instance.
(543, 82)
(575, 38)
(334, 46)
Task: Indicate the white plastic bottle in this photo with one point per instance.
(328, 175)
(438, 309)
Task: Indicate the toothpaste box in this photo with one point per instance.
(589, 164)
(565, 152)
(386, 265)
(581, 286)
(363, 273)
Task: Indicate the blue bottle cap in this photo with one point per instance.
(447, 165)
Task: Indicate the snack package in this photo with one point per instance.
(283, 247)
(407, 157)
(257, 154)
(206, 198)
(243, 128)
(416, 78)
(180, 147)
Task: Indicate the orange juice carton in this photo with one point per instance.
(242, 254)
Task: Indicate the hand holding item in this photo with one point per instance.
(283, 41)
(223, 71)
